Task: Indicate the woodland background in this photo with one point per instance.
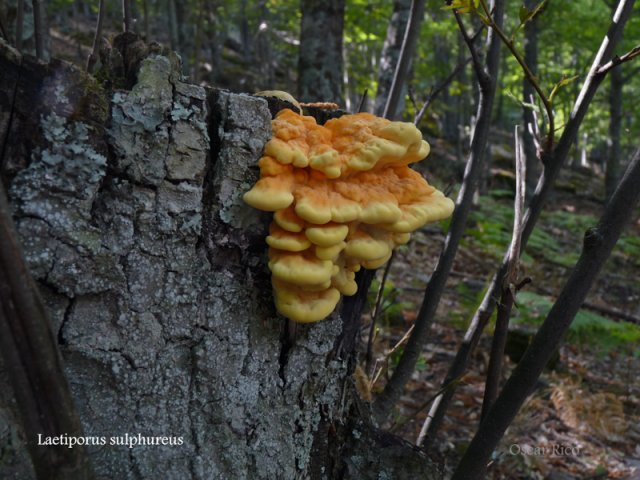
(589, 398)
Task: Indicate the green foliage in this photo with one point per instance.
(588, 328)
(365, 31)
(557, 239)
(463, 6)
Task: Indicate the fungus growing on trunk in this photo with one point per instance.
(344, 198)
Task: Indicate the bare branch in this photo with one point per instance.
(614, 313)
(473, 50)
(516, 239)
(546, 101)
(439, 89)
(630, 55)
(388, 354)
(363, 100)
(424, 405)
(534, 128)
(376, 313)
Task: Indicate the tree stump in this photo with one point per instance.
(128, 202)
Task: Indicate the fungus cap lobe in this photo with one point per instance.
(343, 198)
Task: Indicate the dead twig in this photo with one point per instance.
(376, 313)
(424, 405)
(435, 91)
(412, 31)
(494, 369)
(363, 99)
(470, 41)
(387, 355)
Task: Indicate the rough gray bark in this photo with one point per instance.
(320, 66)
(154, 273)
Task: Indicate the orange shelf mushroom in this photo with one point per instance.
(343, 198)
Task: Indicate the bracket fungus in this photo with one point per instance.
(343, 198)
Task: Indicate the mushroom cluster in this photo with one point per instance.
(344, 198)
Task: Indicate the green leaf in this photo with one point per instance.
(527, 15)
(484, 19)
(567, 81)
(563, 81)
(463, 6)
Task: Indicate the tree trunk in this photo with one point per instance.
(391, 53)
(320, 67)
(172, 17)
(129, 206)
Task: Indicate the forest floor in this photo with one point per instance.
(583, 421)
